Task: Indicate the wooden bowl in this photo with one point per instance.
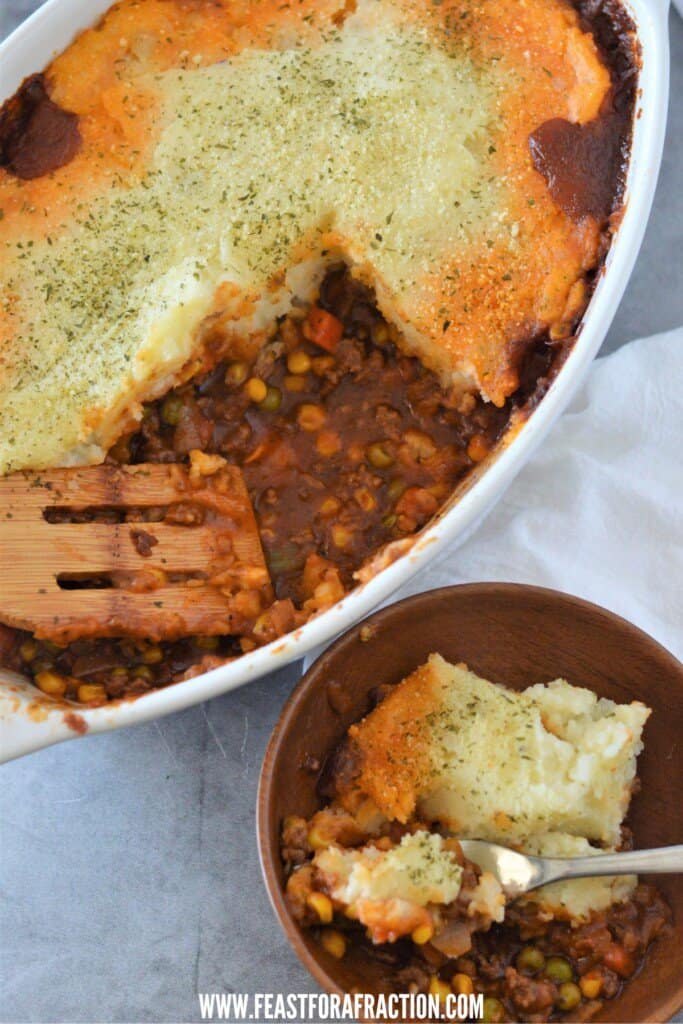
(511, 634)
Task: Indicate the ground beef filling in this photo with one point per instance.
(346, 445)
(527, 969)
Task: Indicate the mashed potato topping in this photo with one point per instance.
(419, 870)
(231, 152)
(548, 769)
(491, 763)
(388, 889)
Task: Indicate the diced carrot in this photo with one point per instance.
(323, 329)
(618, 960)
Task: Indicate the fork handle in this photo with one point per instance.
(665, 860)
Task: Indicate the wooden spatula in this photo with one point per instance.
(196, 568)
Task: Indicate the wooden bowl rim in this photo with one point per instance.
(315, 676)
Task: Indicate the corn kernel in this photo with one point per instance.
(28, 650)
(262, 625)
(88, 692)
(236, 373)
(364, 499)
(333, 942)
(329, 507)
(341, 536)
(422, 934)
(316, 840)
(380, 333)
(152, 655)
(378, 456)
(310, 417)
(256, 389)
(328, 592)
(439, 988)
(292, 383)
(591, 985)
(299, 361)
(322, 905)
(51, 683)
(420, 445)
(462, 985)
(142, 672)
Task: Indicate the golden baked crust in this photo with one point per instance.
(552, 758)
(230, 151)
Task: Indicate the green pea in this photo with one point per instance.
(568, 996)
(530, 959)
(558, 969)
(272, 401)
(236, 373)
(171, 409)
(287, 558)
(51, 647)
(396, 488)
(494, 1011)
(42, 665)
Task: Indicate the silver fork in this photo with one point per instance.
(519, 873)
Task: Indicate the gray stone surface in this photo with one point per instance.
(128, 861)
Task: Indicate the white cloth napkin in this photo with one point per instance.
(598, 512)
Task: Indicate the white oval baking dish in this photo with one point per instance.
(27, 724)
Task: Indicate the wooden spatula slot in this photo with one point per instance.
(120, 580)
(180, 559)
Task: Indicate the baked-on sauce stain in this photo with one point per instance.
(580, 163)
(36, 135)
(585, 164)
